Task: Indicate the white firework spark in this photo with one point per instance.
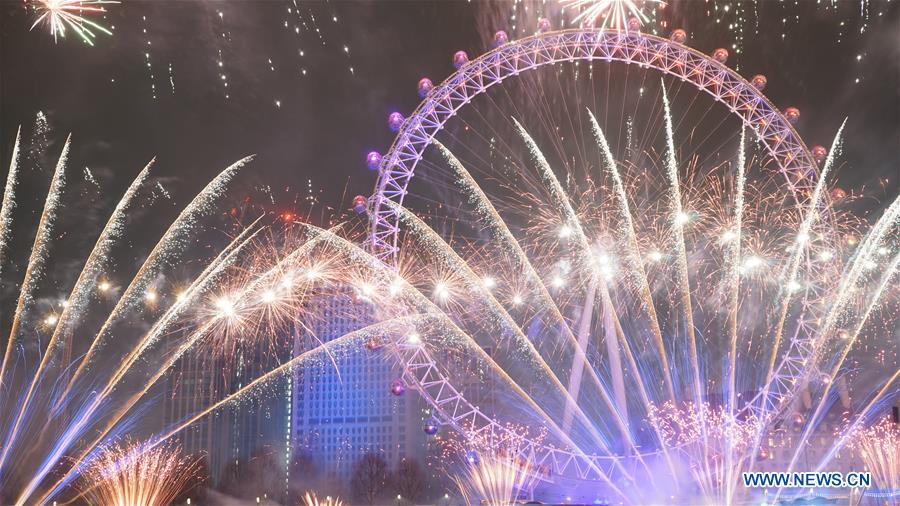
(9, 202)
(60, 15)
(614, 13)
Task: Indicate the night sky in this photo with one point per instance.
(329, 117)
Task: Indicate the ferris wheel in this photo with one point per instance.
(507, 61)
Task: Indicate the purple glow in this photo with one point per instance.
(395, 121)
(460, 58)
(398, 387)
(425, 87)
(500, 38)
(373, 160)
(543, 25)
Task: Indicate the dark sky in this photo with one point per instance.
(329, 117)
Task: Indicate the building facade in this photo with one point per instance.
(342, 404)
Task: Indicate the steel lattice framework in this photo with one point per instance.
(417, 132)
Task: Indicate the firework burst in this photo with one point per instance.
(135, 474)
(878, 447)
(311, 499)
(62, 15)
(494, 477)
(613, 13)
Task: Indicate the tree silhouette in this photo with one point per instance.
(410, 480)
(369, 479)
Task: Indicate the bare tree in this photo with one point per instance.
(410, 480)
(370, 476)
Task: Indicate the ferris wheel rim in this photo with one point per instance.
(397, 167)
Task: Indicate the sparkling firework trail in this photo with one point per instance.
(36, 264)
(175, 239)
(680, 220)
(164, 252)
(571, 220)
(791, 271)
(212, 275)
(35, 445)
(885, 225)
(636, 264)
(733, 309)
(84, 286)
(9, 202)
(60, 15)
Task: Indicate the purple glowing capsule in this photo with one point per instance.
(792, 114)
(720, 55)
(373, 160)
(500, 38)
(395, 121)
(431, 426)
(460, 58)
(397, 387)
(359, 204)
(759, 82)
(425, 87)
(543, 25)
